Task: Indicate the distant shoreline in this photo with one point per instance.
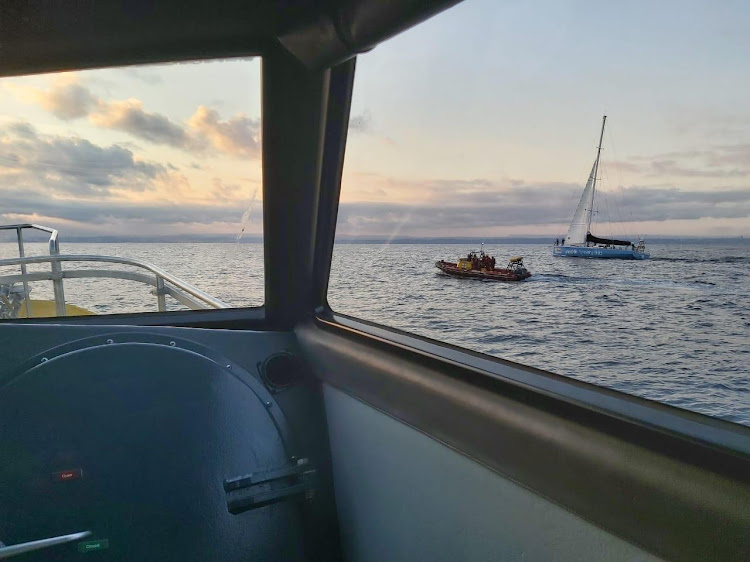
(676, 240)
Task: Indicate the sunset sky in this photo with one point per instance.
(481, 122)
(151, 150)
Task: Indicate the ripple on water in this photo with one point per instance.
(660, 329)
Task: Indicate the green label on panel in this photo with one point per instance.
(90, 546)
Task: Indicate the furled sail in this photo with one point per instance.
(608, 241)
(579, 226)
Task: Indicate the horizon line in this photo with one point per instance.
(363, 239)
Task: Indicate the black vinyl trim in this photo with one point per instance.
(337, 127)
(295, 102)
(228, 319)
(344, 29)
(675, 483)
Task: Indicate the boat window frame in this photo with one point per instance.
(694, 426)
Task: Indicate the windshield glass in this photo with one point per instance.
(159, 166)
(479, 137)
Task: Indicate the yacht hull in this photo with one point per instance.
(598, 253)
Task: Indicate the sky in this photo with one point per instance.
(157, 150)
(482, 121)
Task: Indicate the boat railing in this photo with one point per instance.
(54, 249)
(164, 283)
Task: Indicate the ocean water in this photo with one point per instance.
(675, 328)
(230, 272)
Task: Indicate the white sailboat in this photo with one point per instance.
(580, 243)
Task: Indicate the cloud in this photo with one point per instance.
(737, 154)
(106, 211)
(149, 78)
(204, 131)
(462, 186)
(130, 117)
(71, 179)
(484, 204)
(66, 100)
(23, 130)
(672, 168)
(70, 165)
(223, 192)
(239, 135)
(722, 161)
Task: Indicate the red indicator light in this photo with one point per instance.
(65, 475)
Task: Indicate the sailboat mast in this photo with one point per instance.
(596, 173)
(580, 226)
(598, 152)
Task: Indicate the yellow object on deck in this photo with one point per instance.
(47, 309)
(464, 264)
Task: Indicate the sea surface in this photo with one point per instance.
(675, 328)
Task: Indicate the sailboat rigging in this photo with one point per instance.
(579, 242)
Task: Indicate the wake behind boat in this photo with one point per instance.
(580, 243)
(478, 265)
